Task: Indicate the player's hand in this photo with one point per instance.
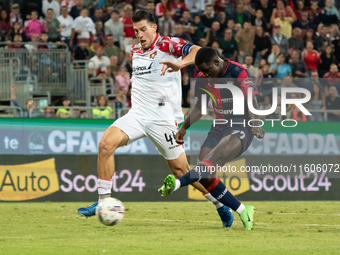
(173, 65)
(258, 132)
(180, 136)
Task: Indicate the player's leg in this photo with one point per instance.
(122, 132)
(161, 133)
(227, 149)
(112, 139)
(180, 167)
(203, 153)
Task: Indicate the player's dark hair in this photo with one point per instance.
(205, 55)
(143, 15)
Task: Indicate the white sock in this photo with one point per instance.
(178, 185)
(104, 188)
(210, 198)
(240, 208)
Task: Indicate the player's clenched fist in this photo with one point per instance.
(180, 135)
(258, 132)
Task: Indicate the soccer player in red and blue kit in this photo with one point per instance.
(224, 142)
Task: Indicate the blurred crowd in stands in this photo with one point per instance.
(285, 39)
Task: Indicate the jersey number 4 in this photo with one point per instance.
(170, 138)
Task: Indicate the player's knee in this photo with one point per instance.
(104, 149)
(178, 172)
(207, 181)
(218, 156)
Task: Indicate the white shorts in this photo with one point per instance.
(161, 132)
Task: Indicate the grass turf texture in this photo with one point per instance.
(170, 228)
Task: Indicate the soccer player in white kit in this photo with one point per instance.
(156, 107)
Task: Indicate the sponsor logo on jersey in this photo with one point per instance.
(230, 111)
(213, 95)
(152, 56)
(227, 100)
(139, 70)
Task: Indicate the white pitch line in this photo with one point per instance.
(256, 223)
(321, 214)
(206, 221)
(318, 225)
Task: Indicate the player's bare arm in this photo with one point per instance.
(194, 116)
(257, 131)
(173, 66)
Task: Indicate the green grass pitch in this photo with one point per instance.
(170, 228)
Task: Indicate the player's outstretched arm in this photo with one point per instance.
(173, 66)
(194, 116)
(257, 131)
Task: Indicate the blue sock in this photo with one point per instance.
(199, 172)
(219, 191)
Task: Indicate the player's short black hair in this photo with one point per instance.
(205, 55)
(143, 15)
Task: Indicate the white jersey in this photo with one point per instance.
(156, 97)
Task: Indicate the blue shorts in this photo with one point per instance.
(215, 135)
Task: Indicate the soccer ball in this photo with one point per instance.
(110, 211)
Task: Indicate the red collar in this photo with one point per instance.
(226, 60)
(154, 42)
